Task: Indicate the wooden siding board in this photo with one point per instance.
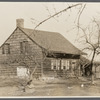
(14, 41)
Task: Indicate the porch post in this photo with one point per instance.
(60, 67)
(60, 64)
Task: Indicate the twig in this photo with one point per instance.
(57, 14)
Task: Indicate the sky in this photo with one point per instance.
(65, 23)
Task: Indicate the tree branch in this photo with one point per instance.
(57, 14)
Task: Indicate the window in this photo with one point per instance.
(73, 64)
(3, 50)
(21, 47)
(64, 67)
(6, 48)
(54, 67)
(24, 47)
(55, 64)
(65, 64)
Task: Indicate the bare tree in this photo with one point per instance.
(92, 42)
(56, 14)
(31, 59)
(28, 58)
(69, 7)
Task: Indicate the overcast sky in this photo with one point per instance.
(63, 24)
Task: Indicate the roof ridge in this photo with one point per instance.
(40, 30)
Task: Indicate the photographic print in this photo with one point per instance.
(49, 49)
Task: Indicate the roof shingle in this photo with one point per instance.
(52, 41)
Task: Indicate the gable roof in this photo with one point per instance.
(52, 41)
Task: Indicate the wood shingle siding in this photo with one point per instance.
(14, 41)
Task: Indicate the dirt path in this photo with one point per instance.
(56, 88)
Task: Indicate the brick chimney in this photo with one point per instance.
(20, 23)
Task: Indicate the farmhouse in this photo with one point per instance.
(39, 53)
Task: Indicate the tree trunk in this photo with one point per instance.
(92, 78)
(92, 73)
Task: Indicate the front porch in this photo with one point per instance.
(62, 65)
